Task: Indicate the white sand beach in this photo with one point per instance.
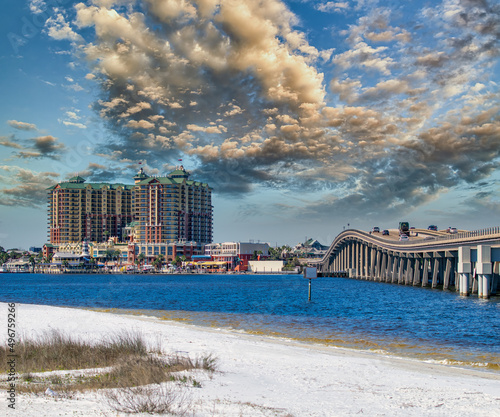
(261, 376)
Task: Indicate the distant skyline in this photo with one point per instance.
(302, 115)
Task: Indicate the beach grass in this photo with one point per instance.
(56, 351)
(123, 361)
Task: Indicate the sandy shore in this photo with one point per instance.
(261, 376)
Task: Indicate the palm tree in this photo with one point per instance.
(140, 259)
(65, 263)
(93, 263)
(117, 254)
(158, 261)
(32, 261)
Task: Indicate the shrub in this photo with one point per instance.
(158, 399)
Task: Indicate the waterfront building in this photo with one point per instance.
(266, 267)
(154, 210)
(73, 259)
(49, 249)
(169, 251)
(80, 211)
(237, 254)
(130, 232)
(172, 208)
(311, 248)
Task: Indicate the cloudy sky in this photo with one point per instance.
(303, 115)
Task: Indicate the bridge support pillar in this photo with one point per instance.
(484, 270)
(388, 273)
(359, 258)
(408, 271)
(383, 261)
(447, 272)
(494, 278)
(480, 286)
(484, 286)
(376, 275)
(464, 269)
(425, 273)
(435, 273)
(372, 264)
(366, 264)
(464, 284)
(401, 270)
(416, 274)
(394, 269)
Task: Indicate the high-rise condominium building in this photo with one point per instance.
(172, 208)
(82, 211)
(164, 209)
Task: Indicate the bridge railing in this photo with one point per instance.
(493, 232)
(489, 231)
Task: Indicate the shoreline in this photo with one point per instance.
(288, 340)
(271, 376)
(320, 347)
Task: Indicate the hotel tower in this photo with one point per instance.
(161, 209)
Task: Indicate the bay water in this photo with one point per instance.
(391, 319)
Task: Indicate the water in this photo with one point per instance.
(398, 320)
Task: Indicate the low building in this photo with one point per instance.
(21, 264)
(311, 248)
(237, 254)
(170, 251)
(265, 267)
(49, 249)
(73, 259)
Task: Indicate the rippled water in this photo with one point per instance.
(399, 320)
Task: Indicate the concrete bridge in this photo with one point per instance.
(467, 262)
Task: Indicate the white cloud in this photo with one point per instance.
(37, 6)
(21, 125)
(59, 29)
(332, 6)
(208, 129)
(78, 125)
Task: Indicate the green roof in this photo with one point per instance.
(161, 180)
(179, 176)
(77, 179)
(178, 173)
(167, 180)
(141, 175)
(94, 186)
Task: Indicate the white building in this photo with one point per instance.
(237, 254)
(265, 266)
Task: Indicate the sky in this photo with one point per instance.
(305, 117)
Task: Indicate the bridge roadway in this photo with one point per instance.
(467, 262)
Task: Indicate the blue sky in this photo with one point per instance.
(304, 116)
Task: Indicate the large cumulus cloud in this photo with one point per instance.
(396, 115)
